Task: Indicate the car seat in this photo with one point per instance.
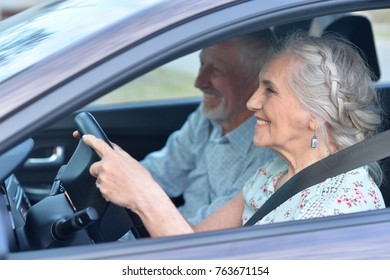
(358, 30)
(281, 31)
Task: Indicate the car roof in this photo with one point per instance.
(57, 40)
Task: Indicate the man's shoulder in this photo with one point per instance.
(197, 127)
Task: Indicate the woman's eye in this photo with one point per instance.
(269, 90)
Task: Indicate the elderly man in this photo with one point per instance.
(212, 155)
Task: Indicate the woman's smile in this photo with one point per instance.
(261, 122)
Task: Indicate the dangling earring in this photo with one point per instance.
(314, 140)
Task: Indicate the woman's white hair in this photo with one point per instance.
(333, 82)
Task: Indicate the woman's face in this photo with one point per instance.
(282, 122)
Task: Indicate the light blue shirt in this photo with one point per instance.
(207, 168)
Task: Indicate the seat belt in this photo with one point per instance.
(369, 150)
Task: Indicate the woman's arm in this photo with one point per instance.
(228, 216)
(125, 182)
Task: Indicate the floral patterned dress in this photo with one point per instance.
(346, 193)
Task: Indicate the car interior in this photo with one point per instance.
(138, 140)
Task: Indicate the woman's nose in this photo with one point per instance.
(256, 101)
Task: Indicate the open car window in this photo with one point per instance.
(174, 80)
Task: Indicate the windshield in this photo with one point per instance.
(50, 30)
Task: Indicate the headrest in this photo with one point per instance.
(357, 30)
(284, 30)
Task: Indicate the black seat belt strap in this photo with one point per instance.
(369, 150)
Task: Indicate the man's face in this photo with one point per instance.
(222, 80)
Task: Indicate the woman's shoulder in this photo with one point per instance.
(352, 191)
(358, 177)
(360, 174)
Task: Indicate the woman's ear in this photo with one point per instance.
(315, 122)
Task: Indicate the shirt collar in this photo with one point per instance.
(240, 138)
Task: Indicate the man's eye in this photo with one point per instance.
(216, 70)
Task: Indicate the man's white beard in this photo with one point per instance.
(217, 113)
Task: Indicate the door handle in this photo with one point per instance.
(57, 158)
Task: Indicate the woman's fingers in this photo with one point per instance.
(97, 144)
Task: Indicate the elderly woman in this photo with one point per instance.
(314, 99)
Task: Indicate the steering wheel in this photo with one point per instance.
(114, 221)
(76, 209)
